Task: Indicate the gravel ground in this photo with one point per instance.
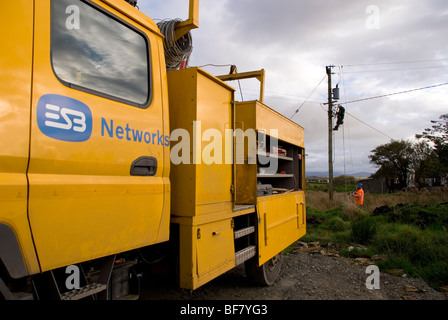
(304, 276)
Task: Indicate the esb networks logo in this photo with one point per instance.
(64, 118)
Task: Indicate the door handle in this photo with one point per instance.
(144, 166)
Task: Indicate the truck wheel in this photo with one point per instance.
(265, 274)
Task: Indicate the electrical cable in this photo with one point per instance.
(399, 69)
(241, 91)
(396, 62)
(224, 65)
(215, 65)
(395, 93)
(369, 125)
(282, 95)
(176, 51)
(297, 111)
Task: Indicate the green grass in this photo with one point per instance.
(363, 230)
(409, 237)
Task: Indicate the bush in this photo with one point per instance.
(436, 273)
(394, 261)
(353, 212)
(363, 230)
(336, 224)
(428, 216)
(417, 215)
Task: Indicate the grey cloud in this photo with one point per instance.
(294, 41)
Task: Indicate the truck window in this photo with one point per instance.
(92, 51)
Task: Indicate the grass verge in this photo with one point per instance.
(409, 235)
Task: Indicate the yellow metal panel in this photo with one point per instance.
(200, 105)
(287, 130)
(245, 170)
(159, 64)
(214, 112)
(257, 116)
(80, 221)
(16, 31)
(211, 217)
(84, 203)
(216, 253)
(182, 109)
(206, 251)
(245, 115)
(281, 222)
(202, 204)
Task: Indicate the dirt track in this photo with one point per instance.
(304, 276)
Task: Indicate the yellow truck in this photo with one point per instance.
(109, 161)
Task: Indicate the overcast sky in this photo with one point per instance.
(389, 47)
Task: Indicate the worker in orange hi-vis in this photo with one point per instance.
(359, 195)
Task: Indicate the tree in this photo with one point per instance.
(438, 135)
(394, 160)
(344, 180)
(424, 163)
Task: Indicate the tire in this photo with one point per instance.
(266, 274)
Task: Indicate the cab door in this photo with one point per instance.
(16, 32)
(98, 172)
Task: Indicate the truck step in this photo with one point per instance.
(243, 232)
(245, 254)
(242, 207)
(84, 292)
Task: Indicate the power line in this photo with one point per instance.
(386, 95)
(396, 62)
(281, 95)
(395, 93)
(369, 125)
(307, 98)
(400, 69)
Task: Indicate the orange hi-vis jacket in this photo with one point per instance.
(359, 196)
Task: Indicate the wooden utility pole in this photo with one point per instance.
(330, 135)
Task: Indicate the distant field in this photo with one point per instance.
(317, 197)
(314, 186)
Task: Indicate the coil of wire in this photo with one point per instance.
(178, 51)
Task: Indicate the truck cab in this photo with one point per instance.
(84, 133)
(109, 161)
